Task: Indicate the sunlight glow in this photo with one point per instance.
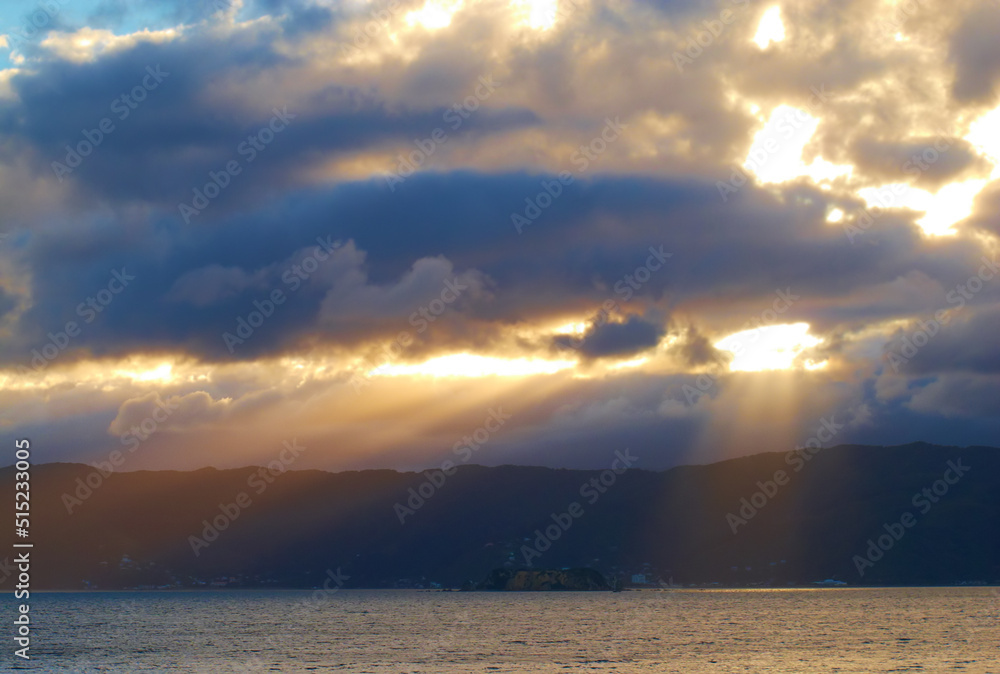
(776, 153)
(470, 365)
(86, 44)
(571, 329)
(984, 134)
(772, 347)
(625, 364)
(952, 203)
(538, 14)
(771, 28)
(161, 373)
(435, 14)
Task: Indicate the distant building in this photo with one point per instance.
(639, 579)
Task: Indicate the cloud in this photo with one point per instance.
(976, 55)
(194, 283)
(695, 349)
(367, 91)
(615, 339)
(7, 302)
(352, 298)
(962, 396)
(962, 345)
(211, 284)
(930, 161)
(158, 413)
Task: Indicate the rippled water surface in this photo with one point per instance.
(801, 631)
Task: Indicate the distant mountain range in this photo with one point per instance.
(856, 514)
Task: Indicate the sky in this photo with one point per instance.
(535, 232)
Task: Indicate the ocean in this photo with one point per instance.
(799, 631)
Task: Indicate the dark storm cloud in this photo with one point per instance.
(695, 349)
(62, 98)
(615, 339)
(178, 134)
(741, 250)
(966, 344)
(962, 396)
(900, 421)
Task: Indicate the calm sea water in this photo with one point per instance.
(689, 631)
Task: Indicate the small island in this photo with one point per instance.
(544, 580)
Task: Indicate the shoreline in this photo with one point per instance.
(713, 588)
